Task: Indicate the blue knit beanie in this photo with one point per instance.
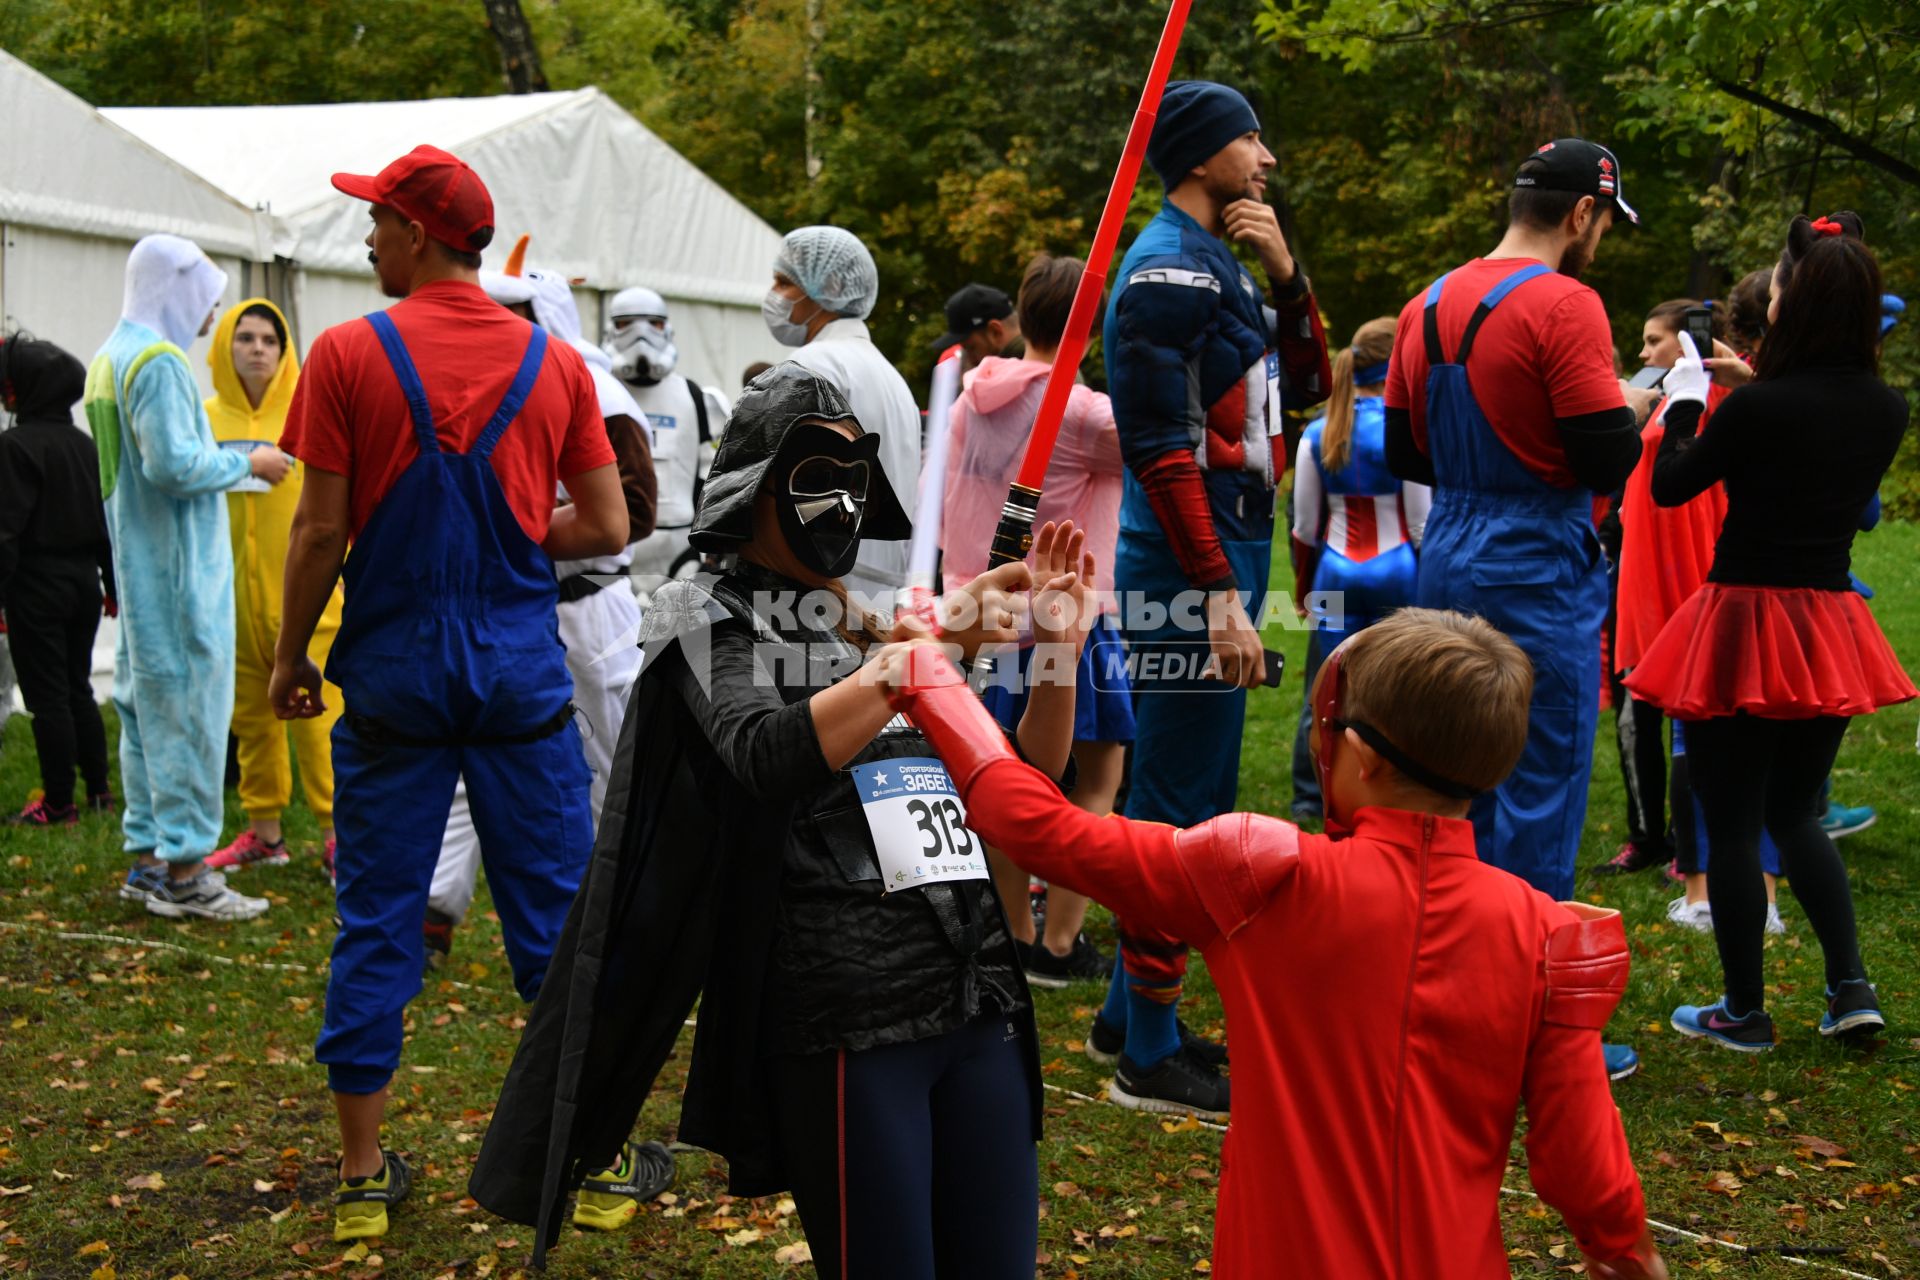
(1197, 118)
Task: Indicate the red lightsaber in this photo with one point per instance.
(1014, 536)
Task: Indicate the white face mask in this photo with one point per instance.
(778, 313)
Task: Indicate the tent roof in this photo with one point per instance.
(66, 167)
(604, 198)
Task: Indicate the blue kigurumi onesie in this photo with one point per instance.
(165, 480)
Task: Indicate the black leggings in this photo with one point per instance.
(51, 637)
(1750, 773)
(915, 1161)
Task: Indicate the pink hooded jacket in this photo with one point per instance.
(991, 422)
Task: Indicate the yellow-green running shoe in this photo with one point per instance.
(609, 1199)
(360, 1204)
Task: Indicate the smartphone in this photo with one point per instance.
(1276, 666)
(1650, 376)
(1698, 325)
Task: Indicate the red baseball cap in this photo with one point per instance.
(433, 188)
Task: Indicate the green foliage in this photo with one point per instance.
(958, 139)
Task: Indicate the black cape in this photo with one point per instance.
(637, 949)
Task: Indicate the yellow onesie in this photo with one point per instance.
(260, 524)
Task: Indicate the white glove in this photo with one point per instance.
(1688, 379)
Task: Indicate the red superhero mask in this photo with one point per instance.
(1329, 724)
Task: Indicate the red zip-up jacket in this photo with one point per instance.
(1391, 1001)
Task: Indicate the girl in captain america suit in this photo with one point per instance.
(1355, 527)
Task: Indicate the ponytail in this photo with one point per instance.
(1366, 358)
(1336, 438)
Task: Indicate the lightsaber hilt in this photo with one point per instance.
(1013, 537)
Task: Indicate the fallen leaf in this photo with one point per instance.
(1819, 1146)
(748, 1236)
(262, 1186)
(147, 1182)
(358, 1253)
(104, 1271)
(792, 1255)
(1724, 1183)
(98, 1246)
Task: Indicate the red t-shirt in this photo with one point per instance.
(350, 417)
(1546, 352)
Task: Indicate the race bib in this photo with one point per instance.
(919, 825)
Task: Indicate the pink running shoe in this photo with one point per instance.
(326, 860)
(38, 814)
(249, 850)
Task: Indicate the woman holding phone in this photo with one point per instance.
(1768, 661)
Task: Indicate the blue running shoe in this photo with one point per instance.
(1752, 1033)
(142, 881)
(1852, 1010)
(1844, 820)
(1622, 1061)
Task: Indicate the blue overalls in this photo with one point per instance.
(1504, 544)
(450, 660)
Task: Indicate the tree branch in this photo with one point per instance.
(1823, 128)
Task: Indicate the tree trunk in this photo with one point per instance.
(517, 53)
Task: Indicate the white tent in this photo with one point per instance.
(75, 192)
(606, 202)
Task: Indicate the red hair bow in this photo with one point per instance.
(1828, 227)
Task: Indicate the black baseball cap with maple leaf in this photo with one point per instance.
(1576, 165)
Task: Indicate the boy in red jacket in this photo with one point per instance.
(1392, 1000)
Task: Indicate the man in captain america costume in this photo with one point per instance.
(1195, 372)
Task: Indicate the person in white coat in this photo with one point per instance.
(824, 288)
(686, 418)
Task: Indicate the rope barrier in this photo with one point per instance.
(1655, 1223)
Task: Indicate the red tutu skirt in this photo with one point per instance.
(1782, 653)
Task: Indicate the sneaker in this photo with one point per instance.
(437, 933)
(39, 814)
(249, 850)
(360, 1204)
(1633, 856)
(1105, 1041)
(1843, 820)
(326, 860)
(1775, 925)
(1181, 1085)
(142, 880)
(1622, 1061)
(1083, 963)
(204, 895)
(102, 802)
(1674, 874)
(1853, 1010)
(1697, 916)
(1752, 1033)
(610, 1198)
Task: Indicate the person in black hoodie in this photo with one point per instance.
(778, 843)
(56, 570)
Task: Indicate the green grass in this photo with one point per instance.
(122, 1059)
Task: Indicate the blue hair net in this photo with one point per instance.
(832, 267)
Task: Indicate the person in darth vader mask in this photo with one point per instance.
(779, 844)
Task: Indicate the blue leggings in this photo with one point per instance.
(915, 1161)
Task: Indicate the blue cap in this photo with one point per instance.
(1197, 119)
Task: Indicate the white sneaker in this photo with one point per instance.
(1697, 916)
(204, 895)
(1775, 925)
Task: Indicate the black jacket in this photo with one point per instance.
(714, 864)
(53, 528)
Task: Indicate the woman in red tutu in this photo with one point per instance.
(1772, 657)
